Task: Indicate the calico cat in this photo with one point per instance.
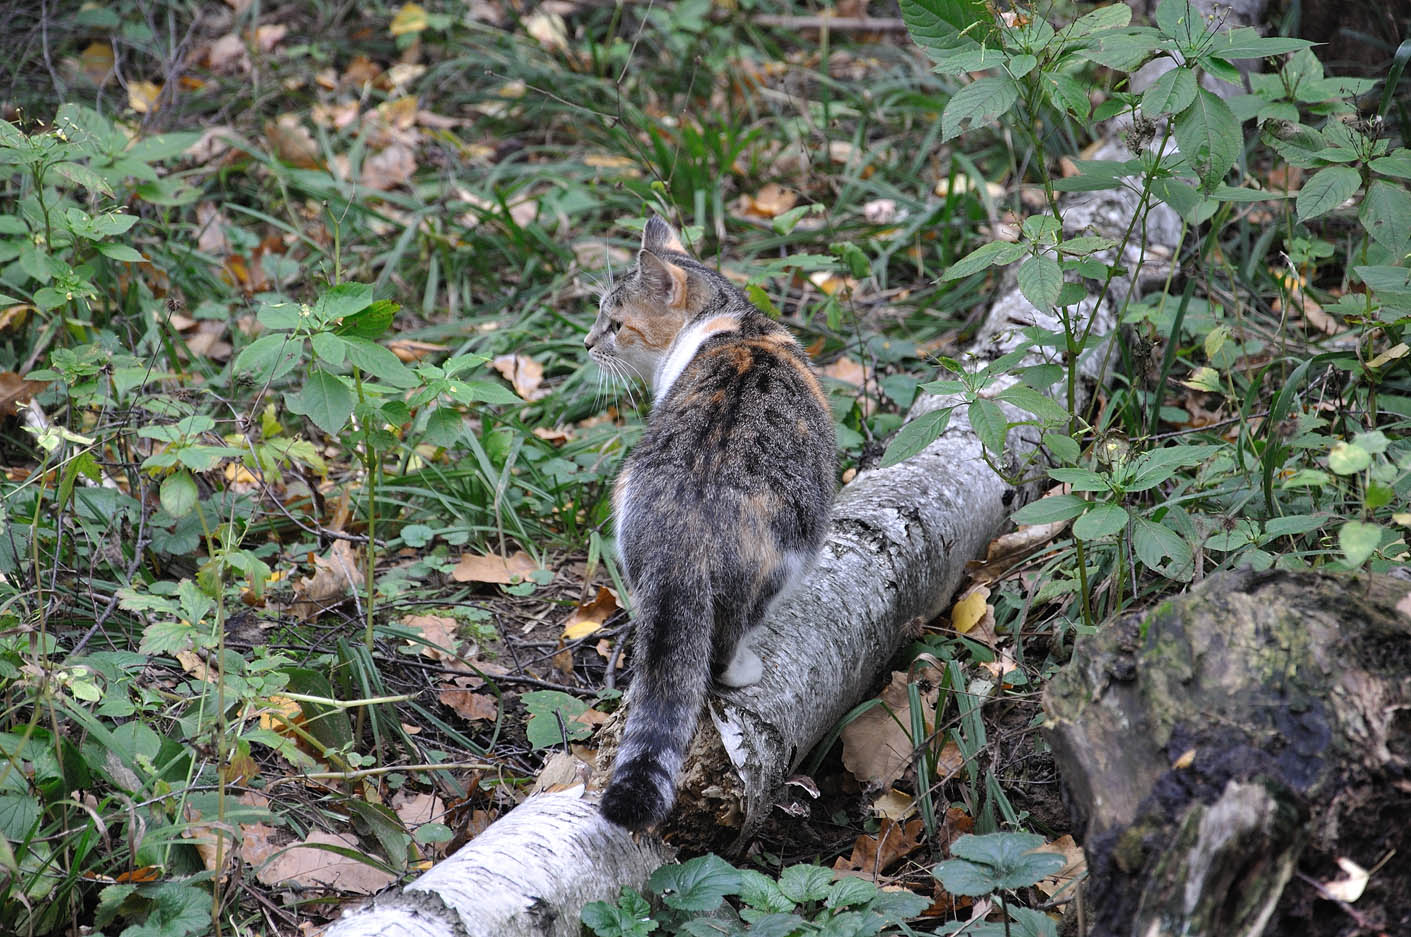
(720, 507)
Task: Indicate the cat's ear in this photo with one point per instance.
(658, 236)
(662, 278)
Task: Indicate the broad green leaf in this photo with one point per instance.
(1001, 860)
(1155, 542)
(1177, 20)
(1122, 49)
(990, 424)
(849, 891)
(1171, 93)
(984, 256)
(1080, 478)
(1374, 441)
(1101, 520)
(270, 357)
(1294, 524)
(161, 146)
(279, 315)
(1040, 405)
(1086, 244)
(625, 919)
(1229, 193)
(915, 436)
(1246, 43)
(1358, 541)
(1209, 137)
(18, 812)
(698, 885)
(1112, 16)
(1050, 510)
(326, 399)
(1397, 163)
(1386, 214)
(762, 893)
(1021, 65)
(378, 361)
(977, 104)
(1040, 280)
(329, 347)
(1325, 190)
(83, 176)
(804, 883)
(1067, 93)
(477, 391)
(1348, 458)
(178, 494)
(340, 301)
(936, 25)
(552, 715)
(1064, 447)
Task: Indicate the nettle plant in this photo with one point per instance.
(1335, 484)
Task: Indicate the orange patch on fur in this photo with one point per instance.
(720, 324)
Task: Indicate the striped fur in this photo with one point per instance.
(720, 507)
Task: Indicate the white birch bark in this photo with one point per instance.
(898, 546)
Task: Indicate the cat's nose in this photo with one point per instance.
(589, 341)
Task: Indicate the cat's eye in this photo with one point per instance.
(613, 326)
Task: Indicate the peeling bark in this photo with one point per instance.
(897, 549)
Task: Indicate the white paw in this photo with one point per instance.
(745, 668)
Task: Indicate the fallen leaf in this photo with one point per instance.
(390, 168)
(210, 230)
(830, 283)
(16, 391)
(142, 96)
(1074, 869)
(562, 771)
(471, 706)
(769, 202)
(410, 18)
(589, 617)
(549, 30)
(414, 809)
(880, 211)
(228, 55)
(1396, 351)
(894, 805)
(1349, 888)
(97, 60)
(337, 575)
(12, 317)
(556, 436)
(845, 369)
(877, 746)
(408, 350)
(872, 855)
(524, 373)
(440, 634)
(361, 70)
(268, 35)
(281, 714)
(969, 609)
(339, 115)
(950, 761)
(306, 865)
(291, 141)
(480, 567)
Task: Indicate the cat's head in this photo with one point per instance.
(640, 314)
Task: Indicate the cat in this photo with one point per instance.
(720, 507)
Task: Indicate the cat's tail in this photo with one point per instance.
(674, 625)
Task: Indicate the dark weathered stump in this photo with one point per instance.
(1221, 752)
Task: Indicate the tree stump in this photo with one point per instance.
(1221, 752)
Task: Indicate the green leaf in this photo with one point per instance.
(329, 347)
(1209, 137)
(977, 104)
(1358, 541)
(341, 301)
(996, 862)
(1154, 542)
(1386, 214)
(477, 391)
(1067, 93)
(849, 891)
(936, 25)
(804, 883)
(1080, 478)
(1102, 520)
(916, 435)
(983, 257)
(1122, 49)
(1246, 43)
(83, 176)
(553, 715)
(1041, 405)
(1396, 163)
(1040, 280)
(18, 813)
(1177, 20)
(270, 357)
(178, 494)
(1021, 65)
(378, 361)
(697, 885)
(326, 399)
(990, 424)
(1325, 190)
(1348, 458)
(279, 315)
(1171, 93)
(628, 918)
(1050, 510)
(762, 893)
(1112, 16)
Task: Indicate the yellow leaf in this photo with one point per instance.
(142, 96)
(589, 617)
(97, 60)
(411, 18)
(1398, 350)
(969, 610)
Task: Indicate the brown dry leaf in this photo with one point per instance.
(1009, 549)
(228, 55)
(213, 841)
(194, 665)
(291, 141)
(549, 30)
(361, 70)
(390, 168)
(769, 202)
(12, 317)
(337, 575)
(1075, 867)
(950, 762)
(269, 35)
(999, 669)
(877, 746)
(830, 283)
(16, 391)
(410, 18)
(1399, 350)
(469, 705)
(96, 61)
(589, 617)
(561, 771)
(524, 373)
(438, 630)
(339, 115)
(208, 341)
(210, 230)
(409, 350)
(846, 370)
(894, 805)
(142, 96)
(414, 809)
(480, 567)
(556, 436)
(281, 715)
(873, 855)
(880, 211)
(306, 865)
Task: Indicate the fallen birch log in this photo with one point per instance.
(898, 546)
